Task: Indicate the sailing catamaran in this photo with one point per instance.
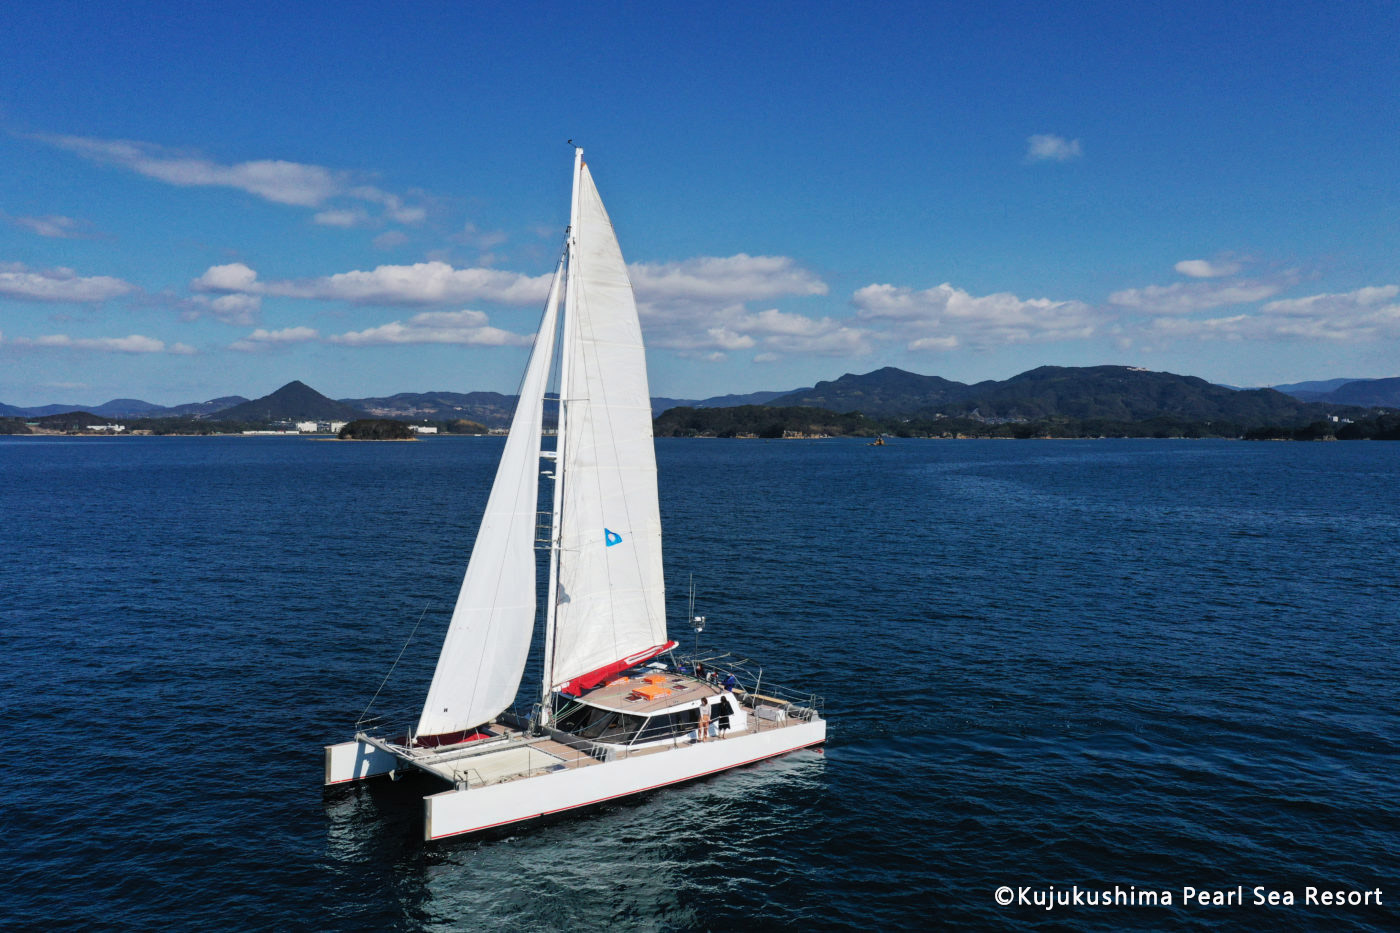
(613, 719)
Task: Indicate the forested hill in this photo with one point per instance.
(1117, 393)
(295, 401)
(887, 391)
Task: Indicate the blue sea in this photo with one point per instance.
(1113, 668)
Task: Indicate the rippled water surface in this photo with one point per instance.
(1137, 663)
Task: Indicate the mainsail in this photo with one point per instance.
(610, 601)
(483, 655)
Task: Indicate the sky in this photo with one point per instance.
(207, 200)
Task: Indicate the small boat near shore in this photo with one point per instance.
(619, 712)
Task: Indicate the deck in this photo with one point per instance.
(512, 754)
(618, 695)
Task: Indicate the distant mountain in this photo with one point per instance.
(295, 401)
(494, 409)
(489, 408)
(660, 404)
(116, 408)
(1127, 394)
(202, 409)
(1310, 391)
(1119, 393)
(43, 411)
(1371, 393)
(125, 408)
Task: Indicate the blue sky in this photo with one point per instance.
(200, 202)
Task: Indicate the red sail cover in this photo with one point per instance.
(595, 677)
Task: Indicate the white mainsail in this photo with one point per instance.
(484, 652)
(611, 592)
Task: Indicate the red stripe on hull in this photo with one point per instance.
(640, 790)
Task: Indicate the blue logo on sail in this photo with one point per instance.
(611, 537)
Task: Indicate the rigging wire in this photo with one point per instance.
(395, 664)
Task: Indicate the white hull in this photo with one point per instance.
(457, 812)
(355, 761)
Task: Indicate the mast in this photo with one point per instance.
(560, 445)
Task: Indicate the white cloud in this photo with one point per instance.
(264, 339)
(1362, 302)
(341, 217)
(835, 340)
(55, 226)
(781, 323)
(394, 207)
(460, 327)
(1044, 147)
(134, 343)
(947, 342)
(1205, 269)
(390, 239)
(694, 305)
(19, 281)
(240, 309)
(723, 338)
(700, 304)
(1361, 316)
(423, 283)
(732, 328)
(1190, 297)
(731, 278)
(275, 180)
(799, 334)
(233, 277)
(236, 309)
(481, 239)
(945, 317)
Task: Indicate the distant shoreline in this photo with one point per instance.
(891, 442)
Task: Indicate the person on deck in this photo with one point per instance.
(703, 732)
(722, 719)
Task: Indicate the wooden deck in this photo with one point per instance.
(618, 695)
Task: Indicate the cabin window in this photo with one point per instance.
(666, 725)
(604, 725)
